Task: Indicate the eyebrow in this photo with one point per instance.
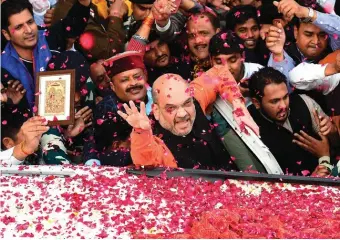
(21, 24)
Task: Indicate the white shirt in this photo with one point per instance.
(6, 157)
(309, 76)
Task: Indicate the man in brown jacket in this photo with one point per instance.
(104, 35)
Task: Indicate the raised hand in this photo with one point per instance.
(289, 8)
(275, 41)
(137, 120)
(32, 130)
(83, 119)
(161, 11)
(48, 17)
(325, 125)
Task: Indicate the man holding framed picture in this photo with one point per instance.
(28, 49)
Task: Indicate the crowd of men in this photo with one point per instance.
(147, 75)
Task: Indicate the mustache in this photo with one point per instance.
(136, 87)
(182, 119)
(160, 57)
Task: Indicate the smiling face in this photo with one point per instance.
(130, 85)
(173, 107)
(249, 32)
(157, 54)
(22, 30)
(200, 30)
(310, 40)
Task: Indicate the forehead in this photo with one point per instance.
(174, 93)
(273, 90)
(129, 73)
(227, 56)
(152, 45)
(20, 18)
(309, 28)
(199, 23)
(149, 6)
(97, 68)
(248, 24)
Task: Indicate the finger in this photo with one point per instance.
(19, 88)
(127, 109)
(142, 109)
(82, 110)
(301, 138)
(88, 113)
(88, 124)
(276, 3)
(133, 107)
(273, 34)
(302, 145)
(37, 129)
(8, 82)
(36, 120)
(23, 91)
(15, 84)
(316, 118)
(307, 137)
(272, 40)
(123, 115)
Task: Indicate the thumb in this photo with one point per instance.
(276, 3)
(279, 25)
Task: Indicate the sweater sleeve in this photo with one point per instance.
(214, 82)
(106, 42)
(70, 27)
(149, 150)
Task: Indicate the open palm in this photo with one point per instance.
(134, 118)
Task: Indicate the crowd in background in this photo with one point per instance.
(147, 75)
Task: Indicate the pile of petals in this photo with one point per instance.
(106, 202)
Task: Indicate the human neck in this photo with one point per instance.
(24, 53)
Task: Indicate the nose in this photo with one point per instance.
(181, 113)
(198, 39)
(315, 39)
(28, 29)
(283, 104)
(158, 51)
(250, 34)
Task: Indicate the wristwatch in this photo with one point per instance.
(310, 16)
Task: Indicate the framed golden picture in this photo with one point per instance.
(55, 96)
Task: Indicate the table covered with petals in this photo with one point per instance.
(107, 202)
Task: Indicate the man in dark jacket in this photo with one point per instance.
(294, 127)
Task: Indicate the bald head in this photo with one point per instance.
(169, 85)
(173, 106)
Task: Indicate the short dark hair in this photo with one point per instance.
(14, 121)
(269, 12)
(263, 77)
(11, 7)
(224, 43)
(239, 15)
(213, 19)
